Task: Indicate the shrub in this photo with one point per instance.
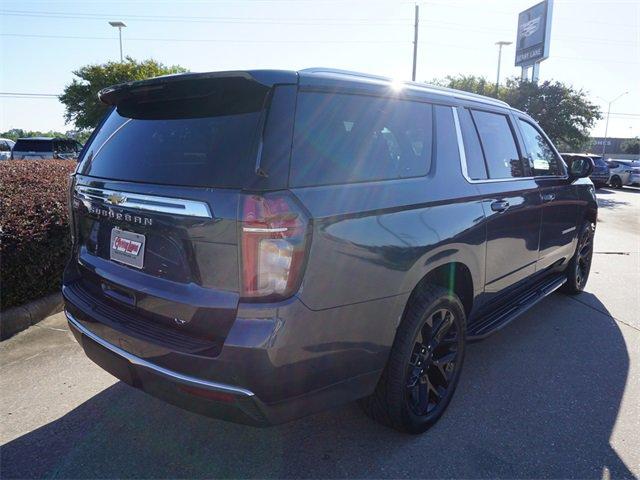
(34, 234)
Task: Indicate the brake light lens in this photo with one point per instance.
(275, 236)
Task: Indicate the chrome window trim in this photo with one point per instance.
(463, 158)
(164, 372)
(153, 203)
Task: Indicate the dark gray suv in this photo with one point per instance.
(261, 245)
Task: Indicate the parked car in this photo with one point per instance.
(261, 245)
(5, 148)
(623, 172)
(41, 148)
(600, 175)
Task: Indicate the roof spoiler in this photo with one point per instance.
(190, 84)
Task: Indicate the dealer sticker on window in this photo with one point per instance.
(127, 247)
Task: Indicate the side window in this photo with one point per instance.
(354, 138)
(476, 168)
(498, 145)
(4, 146)
(542, 159)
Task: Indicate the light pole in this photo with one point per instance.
(119, 26)
(500, 44)
(606, 125)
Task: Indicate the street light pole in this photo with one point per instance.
(415, 43)
(500, 45)
(606, 125)
(119, 26)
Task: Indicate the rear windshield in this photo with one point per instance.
(33, 146)
(211, 151)
(66, 146)
(599, 161)
(208, 143)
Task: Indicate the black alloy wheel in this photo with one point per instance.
(584, 256)
(580, 265)
(433, 364)
(425, 362)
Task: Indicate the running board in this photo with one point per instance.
(490, 324)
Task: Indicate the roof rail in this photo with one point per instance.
(451, 92)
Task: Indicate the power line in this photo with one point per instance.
(206, 40)
(444, 25)
(205, 19)
(30, 94)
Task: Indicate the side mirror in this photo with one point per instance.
(580, 167)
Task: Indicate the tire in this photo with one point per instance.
(580, 264)
(424, 365)
(616, 182)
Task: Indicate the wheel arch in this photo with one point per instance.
(455, 277)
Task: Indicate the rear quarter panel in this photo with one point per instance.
(378, 239)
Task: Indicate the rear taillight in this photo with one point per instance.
(274, 238)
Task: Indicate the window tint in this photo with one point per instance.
(4, 146)
(66, 146)
(34, 146)
(476, 168)
(498, 145)
(351, 138)
(205, 151)
(542, 159)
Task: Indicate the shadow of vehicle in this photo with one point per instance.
(610, 203)
(538, 399)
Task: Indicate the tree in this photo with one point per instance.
(16, 133)
(631, 146)
(80, 97)
(564, 113)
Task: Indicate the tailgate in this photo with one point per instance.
(182, 270)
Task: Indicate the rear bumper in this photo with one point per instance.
(279, 362)
(196, 394)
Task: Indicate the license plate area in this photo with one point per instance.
(127, 247)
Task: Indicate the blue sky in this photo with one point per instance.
(595, 45)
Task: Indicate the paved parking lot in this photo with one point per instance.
(555, 394)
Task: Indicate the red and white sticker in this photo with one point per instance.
(124, 245)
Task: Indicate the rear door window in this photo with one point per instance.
(354, 138)
(476, 168)
(542, 158)
(498, 145)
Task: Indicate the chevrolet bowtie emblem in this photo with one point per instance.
(116, 199)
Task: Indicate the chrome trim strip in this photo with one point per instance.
(568, 230)
(175, 206)
(170, 374)
(463, 157)
(264, 230)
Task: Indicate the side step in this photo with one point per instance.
(495, 321)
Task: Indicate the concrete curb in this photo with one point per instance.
(20, 318)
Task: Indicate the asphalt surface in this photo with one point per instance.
(555, 394)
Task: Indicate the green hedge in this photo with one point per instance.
(34, 235)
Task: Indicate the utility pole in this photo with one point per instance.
(606, 125)
(415, 43)
(500, 45)
(119, 26)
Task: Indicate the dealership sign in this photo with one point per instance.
(534, 30)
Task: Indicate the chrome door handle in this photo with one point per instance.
(548, 197)
(499, 206)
